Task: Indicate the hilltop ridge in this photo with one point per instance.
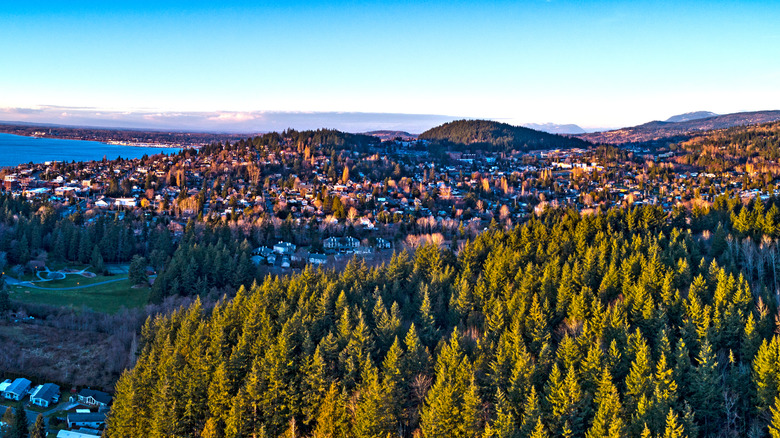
(676, 131)
(488, 134)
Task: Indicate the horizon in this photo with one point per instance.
(239, 67)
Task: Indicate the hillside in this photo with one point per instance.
(485, 134)
(671, 131)
(743, 148)
(567, 326)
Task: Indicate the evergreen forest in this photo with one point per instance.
(626, 322)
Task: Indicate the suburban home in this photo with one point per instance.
(74, 434)
(17, 389)
(125, 202)
(284, 248)
(92, 420)
(91, 397)
(318, 259)
(341, 244)
(382, 243)
(45, 395)
(102, 203)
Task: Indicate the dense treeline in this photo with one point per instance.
(494, 136)
(614, 324)
(275, 141)
(35, 231)
(205, 259)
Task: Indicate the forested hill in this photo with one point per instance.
(489, 135)
(617, 324)
(321, 137)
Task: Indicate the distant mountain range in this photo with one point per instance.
(687, 117)
(554, 128)
(658, 131)
(495, 136)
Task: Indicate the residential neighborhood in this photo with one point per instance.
(81, 414)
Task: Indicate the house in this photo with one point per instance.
(102, 203)
(125, 202)
(285, 262)
(4, 385)
(382, 243)
(74, 434)
(284, 248)
(45, 395)
(263, 254)
(17, 389)
(318, 259)
(341, 244)
(65, 191)
(92, 420)
(91, 397)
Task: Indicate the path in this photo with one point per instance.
(15, 282)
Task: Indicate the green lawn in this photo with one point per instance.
(73, 280)
(108, 298)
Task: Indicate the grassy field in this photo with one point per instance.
(108, 298)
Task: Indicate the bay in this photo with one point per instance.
(17, 149)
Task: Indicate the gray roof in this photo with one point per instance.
(100, 396)
(47, 392)
(92, 417)
(19, 386)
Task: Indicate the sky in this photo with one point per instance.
(362, 65)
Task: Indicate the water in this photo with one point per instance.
(16, 149)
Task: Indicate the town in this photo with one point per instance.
(207, 223)
(311, 206)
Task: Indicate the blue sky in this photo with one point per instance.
(594, 63)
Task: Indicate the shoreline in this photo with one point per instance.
(106, 142)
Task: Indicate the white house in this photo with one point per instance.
(17, 389)
(92, 397)
(318, 259)
(284, 248)
(92, 420)
(45, 395)
(341, 244)
(73, 434)
(125, 202)
(382, 243)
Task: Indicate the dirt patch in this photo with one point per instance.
(60, 355)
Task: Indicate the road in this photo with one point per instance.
(62, 406)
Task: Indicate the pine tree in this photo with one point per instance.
(673, 428)
(664, 394)
(705, 398)
(539, 430)
(564, 398)
(774, 425)
(332, 419)
(532, 413)
(211, 429)
(8, 421)
(39, 428)
(20, 426)
(370, 418)
(608, 422)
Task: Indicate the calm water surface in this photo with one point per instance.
(16, 149)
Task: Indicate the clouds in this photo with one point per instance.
(223, 121)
